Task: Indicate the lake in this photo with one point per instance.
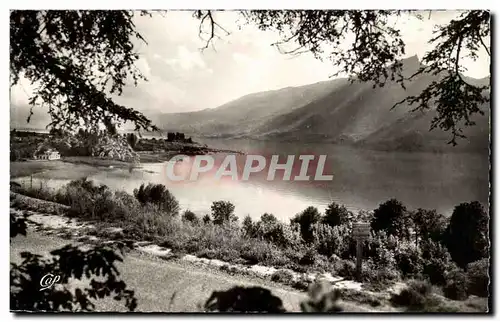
(362, 179)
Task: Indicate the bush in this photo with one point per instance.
(429, 224)
(191, 217)
(379, 248)
(378, 277)
(478, 277)
(408, 260)
(360, 297)
(306, 219)
(415, 296)
(273, 231)
(391, 217)
(149, 221)
(467, 233)
(322, 298)
(345, 268)
(158, 195)
(90, 201)
(223, 212)
(456, 285)
(290, 236)
(282, 276)
(436, 261)
(336, 215)
(125, 205)
(206, 219)
(301, 284)
(256, 251)
(294, 255)
(309, 257)
(248, 227)
(332, 240)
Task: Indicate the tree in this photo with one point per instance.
(223, 212)
(268, 219)
(306, 219)
(336, 215)
(456, 285)
(409, 260)
(170, 136)
(429, 224)
(132, 140)
(157, 194)
(478, 278)
(57, 132)
(467, 233)
(270, 229)
(92, 53)
(436, 261)
(248, 226)
(78, 59)
(206, 219)
(366, 45)
(391, 217)
(190, 216)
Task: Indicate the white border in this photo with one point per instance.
(255, 4)
(190, 4)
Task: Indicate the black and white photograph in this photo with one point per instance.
(250, 161)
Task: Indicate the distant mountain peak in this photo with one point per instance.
(411, 64)
(411, 60)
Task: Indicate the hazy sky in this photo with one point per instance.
(184, 78)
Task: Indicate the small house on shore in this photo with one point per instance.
(47, 155)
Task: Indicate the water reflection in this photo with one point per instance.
(362, 180)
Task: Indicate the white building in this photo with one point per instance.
(48, 155)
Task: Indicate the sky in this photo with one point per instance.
(183, 78)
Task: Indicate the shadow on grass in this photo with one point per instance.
(97, 264)
(244, 299)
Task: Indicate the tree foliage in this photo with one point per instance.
(336, 214)
(391, 217)
(77, 60)
(367, 46)
(158, 194)
(436, 261)
(223, 212)
(455, 98)
(132, 140)
(467, 233)
(429, 224)
(478, 277)
(191, 217)
(306, 220)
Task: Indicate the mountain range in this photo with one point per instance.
(334, 111)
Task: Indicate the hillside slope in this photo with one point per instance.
(335, 111)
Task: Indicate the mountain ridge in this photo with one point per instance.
(334, 111)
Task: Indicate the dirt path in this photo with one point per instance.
(164, 286)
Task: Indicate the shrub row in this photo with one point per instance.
(310, 241)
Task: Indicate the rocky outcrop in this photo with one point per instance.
(115, 147)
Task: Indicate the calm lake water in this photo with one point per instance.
(362, 179)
